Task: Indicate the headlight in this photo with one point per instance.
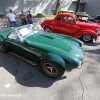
(81, 44)
(79, 64)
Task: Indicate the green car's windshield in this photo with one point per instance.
(28, 30)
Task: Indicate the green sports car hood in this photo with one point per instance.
(56, 44)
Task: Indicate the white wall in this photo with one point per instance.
(92, 7)
(35, 6)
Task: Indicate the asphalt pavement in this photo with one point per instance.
(20, 80)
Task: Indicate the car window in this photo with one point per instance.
(70, 19)
(14, 36)
(65, 18)
(58, 18)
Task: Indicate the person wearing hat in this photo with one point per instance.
(29, 18)
(12, 18)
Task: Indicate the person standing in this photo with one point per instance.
(12, 17)
(29, 18)
(23, 18)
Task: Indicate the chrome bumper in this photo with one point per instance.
(79, 67)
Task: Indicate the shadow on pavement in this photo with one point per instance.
(96, 51)
(25, 73)
(92, 44)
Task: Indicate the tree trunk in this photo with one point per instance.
(57, 7)
(77, 6)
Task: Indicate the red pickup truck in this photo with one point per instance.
(69, 24)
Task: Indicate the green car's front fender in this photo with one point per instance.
(71, 38)
(56, 58)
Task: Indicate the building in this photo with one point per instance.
(46, 6)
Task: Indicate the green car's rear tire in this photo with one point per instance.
(3, 48)
(52, 69)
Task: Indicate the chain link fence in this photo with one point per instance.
(5, 23)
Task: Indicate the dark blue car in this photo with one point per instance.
(95, 19)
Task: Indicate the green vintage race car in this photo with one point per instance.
(55, 53)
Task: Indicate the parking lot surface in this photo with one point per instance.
(20, 80)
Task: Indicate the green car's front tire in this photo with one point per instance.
(52, 69)
(3, 48)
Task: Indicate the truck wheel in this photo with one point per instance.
(47, 29)
(52, 69)
(3, 48)
(87, 38)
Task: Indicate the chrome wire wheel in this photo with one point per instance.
(50, 69)
(87, 38)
